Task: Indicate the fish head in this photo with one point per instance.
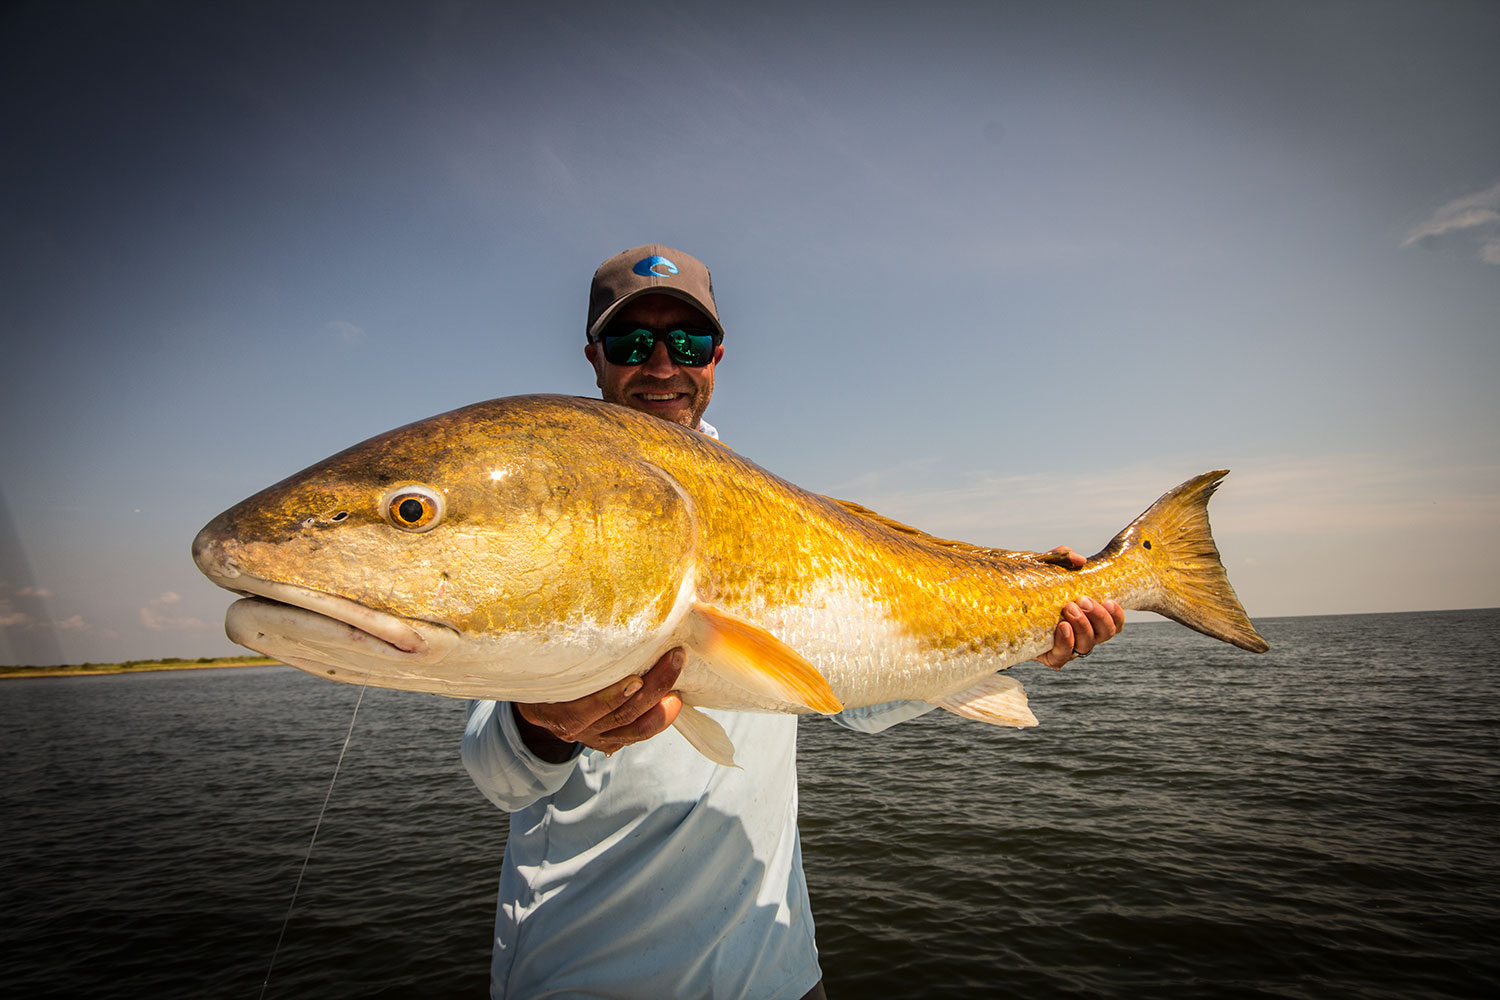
(510, 549)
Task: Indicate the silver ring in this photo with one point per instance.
(1079, 655)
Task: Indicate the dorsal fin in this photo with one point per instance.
(916, 534)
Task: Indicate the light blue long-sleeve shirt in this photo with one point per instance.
(653, 872)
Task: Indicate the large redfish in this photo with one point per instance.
(538, 548)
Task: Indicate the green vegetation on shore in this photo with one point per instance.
(136, 666)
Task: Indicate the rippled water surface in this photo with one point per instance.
(1189, 820)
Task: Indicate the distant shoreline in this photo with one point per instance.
(137, 667)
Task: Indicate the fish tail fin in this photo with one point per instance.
(1189, 584)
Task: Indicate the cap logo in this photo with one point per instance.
(647, 267)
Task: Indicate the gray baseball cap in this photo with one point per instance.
(647, 270)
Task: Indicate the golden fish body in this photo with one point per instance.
(539, 548)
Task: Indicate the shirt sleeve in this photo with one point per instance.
(501, 765)
(878, 718)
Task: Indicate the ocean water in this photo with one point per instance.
(1188, 821)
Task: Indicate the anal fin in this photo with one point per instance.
(706, 735)
(998, 700)
(756, 660)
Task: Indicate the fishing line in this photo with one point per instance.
(296, 888)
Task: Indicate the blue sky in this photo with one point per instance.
(1006, 273)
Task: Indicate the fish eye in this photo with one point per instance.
(414, 508)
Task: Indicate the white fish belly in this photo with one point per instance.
(853, 641)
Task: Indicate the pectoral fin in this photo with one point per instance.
(756, 660)
(998, 700)
(706, 735)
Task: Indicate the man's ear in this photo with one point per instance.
(591, 351)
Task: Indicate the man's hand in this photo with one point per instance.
(626, 712)
(1085, 623)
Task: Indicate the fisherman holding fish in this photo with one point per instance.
(635, 865)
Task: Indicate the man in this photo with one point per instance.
(635, 866)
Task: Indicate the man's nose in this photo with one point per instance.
(660, 363)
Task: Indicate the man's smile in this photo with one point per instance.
(660, 401)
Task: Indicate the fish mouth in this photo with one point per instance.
(286, 621)
(394, 631)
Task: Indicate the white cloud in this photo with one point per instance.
(22, 621)
(1473, 220)
(11, 618)
(167, 623)
(344, 332)
(1356, 494)
(153, 618)
(33, 592)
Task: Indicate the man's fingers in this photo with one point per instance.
(1076, 613)
(1105, 619)
(567, 720)
(664, 675)
(1084, 624)
(671, 706)
(655, 685)
(649, 723)
(1062, 647)
(617, 705)
(1074, 559)
(1096, 622)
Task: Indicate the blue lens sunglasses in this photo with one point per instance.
(632, 344)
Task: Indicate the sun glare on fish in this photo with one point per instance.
(497, 474)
